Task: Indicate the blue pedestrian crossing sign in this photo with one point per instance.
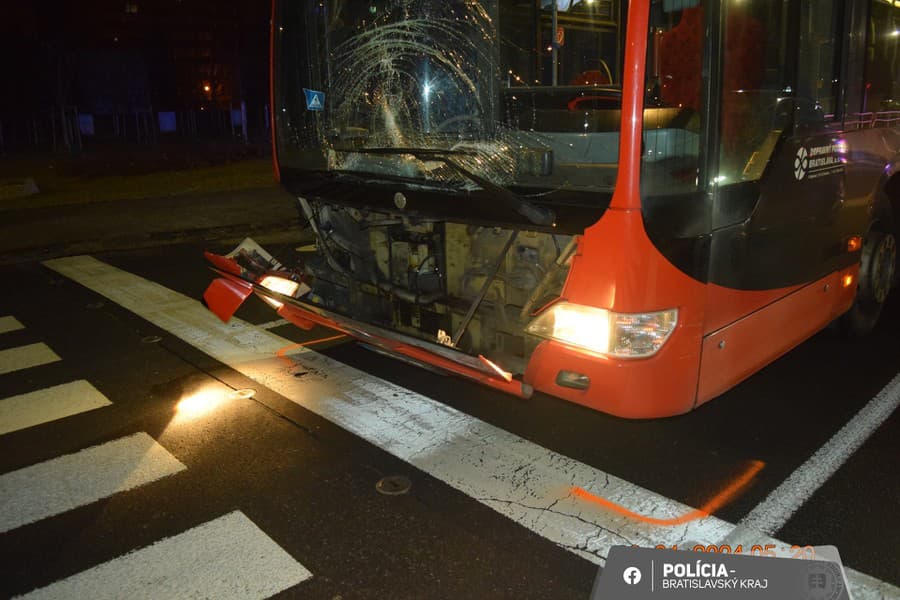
(314, 100)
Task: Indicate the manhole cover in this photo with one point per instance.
(393, 485)
(96, 305)
(151, 339)
(244, 394)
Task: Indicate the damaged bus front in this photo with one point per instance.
(597, 199)
(449, 156)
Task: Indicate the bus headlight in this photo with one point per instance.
(283, 286)
(605, 332)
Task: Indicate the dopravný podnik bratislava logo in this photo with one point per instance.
(801, 163)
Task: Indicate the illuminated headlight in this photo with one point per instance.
(604, 332)
(281, 285)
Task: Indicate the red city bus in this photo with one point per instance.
(633, 206)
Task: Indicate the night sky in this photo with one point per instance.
(121, 56)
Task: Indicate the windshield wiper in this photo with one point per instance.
(536, 214)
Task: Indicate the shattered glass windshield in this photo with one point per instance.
(523, 93)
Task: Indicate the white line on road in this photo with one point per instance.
(780, 505)
(229, 557)
(24, 357)
(49, 404)
(8, 324)
(773, 512)
(273, 324)
(519, 479)
(73, 480)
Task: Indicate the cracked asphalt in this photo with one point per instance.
(310, 485)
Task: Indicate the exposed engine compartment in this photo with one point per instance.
(461, 285)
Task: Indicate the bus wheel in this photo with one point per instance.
(876, 278)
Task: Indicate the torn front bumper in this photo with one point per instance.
(236, 283)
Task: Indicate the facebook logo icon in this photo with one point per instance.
(632, 575)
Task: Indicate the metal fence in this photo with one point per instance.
(68, 130)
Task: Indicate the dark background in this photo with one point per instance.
(123, 62)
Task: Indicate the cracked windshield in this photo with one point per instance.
(522, 93)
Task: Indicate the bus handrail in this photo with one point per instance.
(886, 118)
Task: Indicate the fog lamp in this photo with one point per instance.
(281, 285)
(605, 332)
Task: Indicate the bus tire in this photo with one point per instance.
(877, 271)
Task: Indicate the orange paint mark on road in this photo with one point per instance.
(723, 497)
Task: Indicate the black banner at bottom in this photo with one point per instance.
(651, 574)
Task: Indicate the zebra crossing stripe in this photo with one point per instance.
(273, 324)
(24, 357)
(227, 558)
(8, 324)
(49, 404)
(519, 479)
(67, 482)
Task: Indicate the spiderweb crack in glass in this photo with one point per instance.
(418, 80)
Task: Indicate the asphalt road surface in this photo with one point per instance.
(146, 448)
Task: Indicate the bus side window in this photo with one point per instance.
(680, 50)
(672, 116)
(753, 77)
(881, 88)
(818, 71)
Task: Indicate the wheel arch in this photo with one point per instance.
(892, 191)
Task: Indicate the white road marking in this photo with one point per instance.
(773, 512)
(229, 557)
(49, 404)
(519, 479)
(73, 480)
(274, 324)
(8, 324)
(24, 357)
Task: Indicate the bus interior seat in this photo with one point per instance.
(599, 76)
(681, 50)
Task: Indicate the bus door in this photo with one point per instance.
(778, 182)
(805, 185)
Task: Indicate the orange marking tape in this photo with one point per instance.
(283, 351)
(722, 498)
